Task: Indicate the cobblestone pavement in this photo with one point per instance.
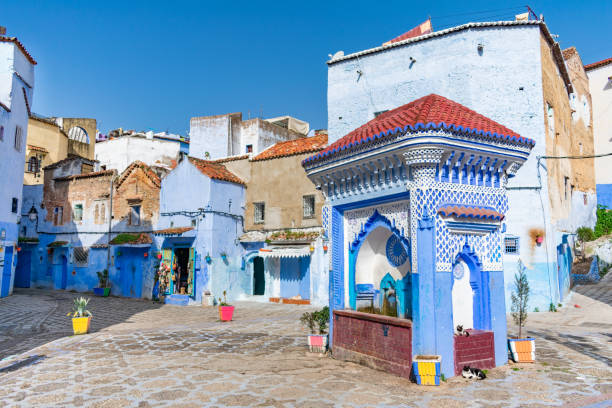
(143, 354)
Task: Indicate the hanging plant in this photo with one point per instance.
(208, 258)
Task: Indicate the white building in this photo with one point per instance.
(215, 137)
(16, 91)
(158, 150)
(600, 84)
(514, 73)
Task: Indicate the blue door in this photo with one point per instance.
(6, 271)
(131, 264)
(289, 277)
(64, 271)
(22, 273)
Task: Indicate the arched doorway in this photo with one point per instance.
(259, 278)
(379, 274)
(63, 271)
(463, 297)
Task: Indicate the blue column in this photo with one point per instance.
(445, 341)
(336, 274)
(424, 336)
(498, 316)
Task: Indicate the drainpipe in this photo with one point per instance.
(110, 221)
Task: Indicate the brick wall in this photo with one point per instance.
(476, 350)
(380, 342)
(137, 189)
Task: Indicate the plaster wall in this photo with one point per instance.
(50, 137)
(372, 264)
(89, 125)
(12, 160)
(119, 153)
(280, 184)
(601, 91)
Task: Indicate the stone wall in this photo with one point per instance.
(380, 342)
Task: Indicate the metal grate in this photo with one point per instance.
(512, 245)
(308, 205)
(259, 213)
(81, 256)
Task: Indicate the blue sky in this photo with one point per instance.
(153, 64)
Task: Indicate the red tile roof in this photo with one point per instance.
(293, 147)
(429, 112)
(423, 28)
(231, 158)
(469, 211)
(598, 64)
(173, 231)
(215, 170)
(86, 175)
(37, 148)
(20, 46)
(147, 170)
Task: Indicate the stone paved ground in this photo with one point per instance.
(142, 354)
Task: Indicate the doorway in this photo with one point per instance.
(259, 279)
(23, 271)
(63, 272)
(183, 278)
(6, 271)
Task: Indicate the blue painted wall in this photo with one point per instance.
(604, 195)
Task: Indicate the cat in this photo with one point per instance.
(475, 373)
(462, 332)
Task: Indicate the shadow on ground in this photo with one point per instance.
(30, 318)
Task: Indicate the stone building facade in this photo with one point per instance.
(510, 71)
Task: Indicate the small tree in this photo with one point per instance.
(322, 319)
(520, 297)
(309, 321)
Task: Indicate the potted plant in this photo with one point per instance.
(208, 259)
(103, 288)
(226, 311)
(224, 257)
(316, 323)
(81, 317)
(523, 349)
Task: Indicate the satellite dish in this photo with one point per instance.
(338, 54)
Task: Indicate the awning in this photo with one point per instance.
(173, 231)
(290, 252)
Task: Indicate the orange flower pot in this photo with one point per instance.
(523, 350)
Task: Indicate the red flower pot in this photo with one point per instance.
(539, 240)
(226, 313)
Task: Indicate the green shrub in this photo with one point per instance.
(603, 226)
(585, 234)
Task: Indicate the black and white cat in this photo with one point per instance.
(462, 332)
(475, 373)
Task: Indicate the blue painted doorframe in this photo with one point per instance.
(24, 269)
(6, 271)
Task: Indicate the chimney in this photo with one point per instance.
(2, 30)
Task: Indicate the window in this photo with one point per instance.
(58, 215)
(260, 213)
(134, 215)
(14, 205)
(308, 206)
(249, 148)
(1, 133)
(77, 212)
(566, 185)
(18, 140)
(81, 256)
(512, 245)
(550, 112)
(33, 165)
(193, 222)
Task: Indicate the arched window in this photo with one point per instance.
(79, 134)
(33, 165)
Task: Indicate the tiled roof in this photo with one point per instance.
(20, 46)
(231, 158)
(37, 148)
(598, 64)
(422, 29)
(147, 170)
(293, 147)
(173, 231)
(469, 211)
(429, 112)
(70, 158)
(215, 170)
(86, 175)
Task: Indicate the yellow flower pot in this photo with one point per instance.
(80, 325)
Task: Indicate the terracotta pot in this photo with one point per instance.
(523, 350)
(317, 343)
(226, 313)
